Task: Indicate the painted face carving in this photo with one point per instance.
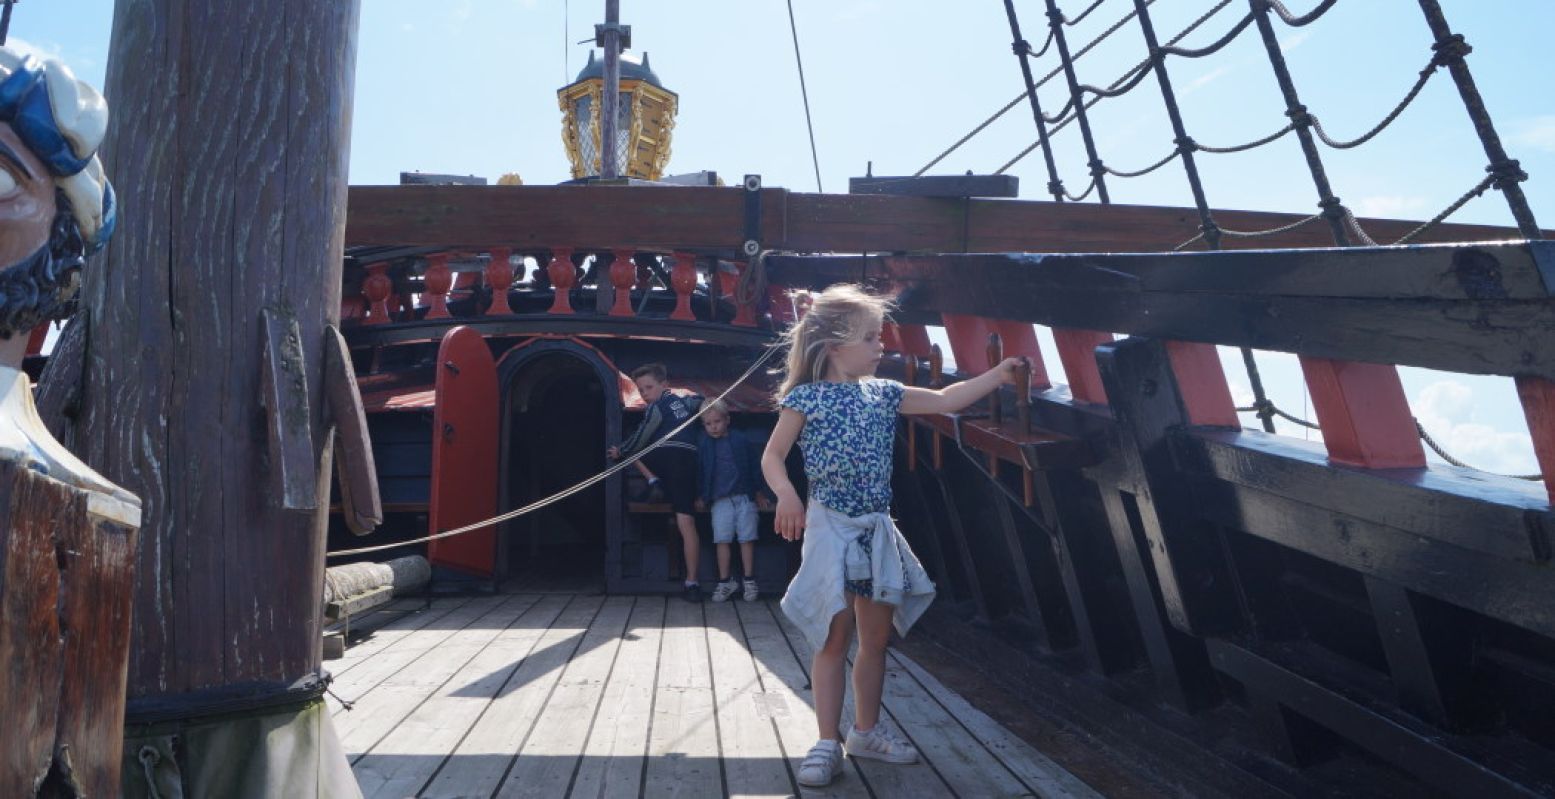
(27, 205)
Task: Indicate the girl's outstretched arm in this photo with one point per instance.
(789, 521)
(953, 398)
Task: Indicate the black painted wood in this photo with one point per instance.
(938, 185)
(1084, 569)
(1480, 309)
(1430, 652)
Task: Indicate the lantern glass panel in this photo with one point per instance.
(585, 122)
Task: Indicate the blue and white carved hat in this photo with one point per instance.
(62, 121)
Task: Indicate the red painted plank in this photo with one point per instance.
(1077, 352)
(1202, 383)
(968, 342)
(1020, 338)
(1364, 414)
(1538, 396)
(464, 453)
(915, 340)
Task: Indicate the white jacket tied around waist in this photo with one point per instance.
(831, 556)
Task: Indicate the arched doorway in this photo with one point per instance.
(560, 411)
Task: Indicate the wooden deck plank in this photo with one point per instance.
(377, 712)
(753, 757)
(397, 629)
(683, 756)
(373, 670)
(786, 684)
(546, 763)
(478, 765)
(1035, 769)
(959, 757)
(884, 779)
(403, 761)
(613, 756)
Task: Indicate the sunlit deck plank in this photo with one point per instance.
(546, 763)
(478, 765)
(406, 758)
(378, 712)
(917, 779)
(683, 740)
(356, 684)
(787, 697)
(393, 633)
(613, 757)
(754, 765)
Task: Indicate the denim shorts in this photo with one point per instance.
(734, 516)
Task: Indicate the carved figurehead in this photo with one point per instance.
(56, 209)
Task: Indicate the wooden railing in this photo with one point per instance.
(481, 283)
(1409, 611)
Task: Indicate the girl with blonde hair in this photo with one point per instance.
(857, 570)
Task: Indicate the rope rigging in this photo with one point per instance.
(805, 93)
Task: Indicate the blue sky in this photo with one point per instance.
(468, 86)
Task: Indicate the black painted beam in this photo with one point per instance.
(938, 186)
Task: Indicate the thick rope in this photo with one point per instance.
(1083, 14)
(567, 492)
(1081, 197)
(1414, 91)
(1213, 47)
(1295, 21)
(1171, 156)
(1481, 188)
(1137, 70)
(805, 93)
(1253, 234)
(1022, 96)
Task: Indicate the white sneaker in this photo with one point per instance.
(881, 744)
(725, 590)
(751, 593)
(822, 765)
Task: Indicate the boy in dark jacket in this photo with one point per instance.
(731, 484)
(672, 466)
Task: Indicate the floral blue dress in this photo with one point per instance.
(848, 442)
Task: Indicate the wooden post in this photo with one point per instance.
(377, 287)
(744, 309)
(937, 380)
(238, 183)
(910, 365)
(1077, 352)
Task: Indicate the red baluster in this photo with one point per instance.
(1364, 414)
(377, 287)
(744, 310)
(914, 340)
(563, 277)
(937, 380)
(499, 276)
(35, 341)
(1538, 398)
(437, 281)
(889, 339)
(622, 274)
(644, 274)
(781, 304)
(995, 357)
(1202, 383)
(1020, 338)
(1077, 352)
(967, 335)
(683, 278)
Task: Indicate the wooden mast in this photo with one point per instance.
(229, 147)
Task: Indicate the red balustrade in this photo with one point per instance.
(437, 281)
(1364, 414)
(1538, 398)
(1077, 352)
(1020, 338)
(1201, 380)
(563, 277)
(377, 287)
(499, 276)
(683, 279)
(968, 335)
(622, 274)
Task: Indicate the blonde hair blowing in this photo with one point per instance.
(842, 314)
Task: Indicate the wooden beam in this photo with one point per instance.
(711, 219)
(1479, 309)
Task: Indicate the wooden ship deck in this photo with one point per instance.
(576, 694)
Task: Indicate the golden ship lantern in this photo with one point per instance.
(646, 119)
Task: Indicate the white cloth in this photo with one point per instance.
(817, 593)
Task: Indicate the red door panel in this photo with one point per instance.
(464, 453)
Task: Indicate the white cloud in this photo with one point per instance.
(1294, 40)
(1206, 79)
(39, 50)
(1391, 205)
(1446, 411)
(1537, 133)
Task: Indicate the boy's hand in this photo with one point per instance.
(613, 453)
(762, 503)
(789, 522)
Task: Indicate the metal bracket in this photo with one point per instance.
(751, 246)
(603, 28)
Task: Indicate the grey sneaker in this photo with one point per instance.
(751, 592)
(724, 590)
(822, 765)
(881, 744)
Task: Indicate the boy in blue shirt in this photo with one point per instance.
(731, 483)
(672, 467)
